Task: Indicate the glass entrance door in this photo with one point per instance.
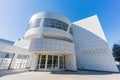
(50, 62)
(43, 61)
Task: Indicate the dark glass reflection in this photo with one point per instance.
(55, 24)
(48, 22)
(70, 30)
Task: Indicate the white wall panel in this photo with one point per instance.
(33, 33)
(52, 45)
(22, 43)
(56, 33)
(91, 47)
(47, 32)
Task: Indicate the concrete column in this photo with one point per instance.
(70, 62)
(34, 62)
(29, 62)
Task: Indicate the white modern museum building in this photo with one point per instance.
(54, 43)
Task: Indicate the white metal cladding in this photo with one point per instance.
(33, 33)
(52, 46)
(87, 45)
(50, 15)
(22, 43)
(61, 34)
(14, 49)
(37, 32)
(48, 32)
(92, 51)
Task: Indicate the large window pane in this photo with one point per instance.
(5, 60)
(42, 66)
(55, 24)
(49, 62)
(55, 57)
(43, 56)
(61, 62)
(8, 55)
(21, 61)
(35, 23)
(55, 62)
(49, 66)
(43, 60)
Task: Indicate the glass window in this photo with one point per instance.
(70, 31)
(21, 62)
(5, 60)
(55, 57)
(55, 62)
(61, 63)
(55, 24)
(42, 66)
(35, 23)
(43, 56)
(43, 60)
(49, 62)
(8, 55)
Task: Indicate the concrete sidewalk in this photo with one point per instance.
(9, 72)
(66, 75)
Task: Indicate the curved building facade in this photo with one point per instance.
(49, 25)
(52, 42)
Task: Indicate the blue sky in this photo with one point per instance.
(15, 14)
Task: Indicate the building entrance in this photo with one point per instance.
(50, 62)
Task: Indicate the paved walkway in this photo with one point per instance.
(67, 75)
(9, 72)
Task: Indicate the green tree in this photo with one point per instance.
(116, 51)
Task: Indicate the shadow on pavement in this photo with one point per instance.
(10, 72)
(83, 72)
(79, 72)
